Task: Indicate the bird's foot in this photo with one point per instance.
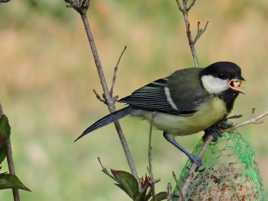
(224, 125)
(214, 131)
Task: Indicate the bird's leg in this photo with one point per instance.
(194, 159)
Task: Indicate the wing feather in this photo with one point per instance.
(151, 97)
(180, 93)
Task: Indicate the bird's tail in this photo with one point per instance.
(106, 120)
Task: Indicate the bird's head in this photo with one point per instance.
(222, 76)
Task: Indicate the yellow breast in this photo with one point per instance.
(207, 114)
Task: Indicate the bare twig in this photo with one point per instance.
(191, 5)
(200, 31)
(104, 169)
(108, 98)
(98, 96)
(116, 70)
(236, 116)
(81, 6)
(169, 191)
(150, 149)
(255, 120)
(185, 7)
(181, 197)
(10, 162)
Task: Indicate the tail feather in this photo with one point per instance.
(105, 121)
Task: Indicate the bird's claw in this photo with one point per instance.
(215, 132)
(224, 125)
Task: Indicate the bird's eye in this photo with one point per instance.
(222, 76)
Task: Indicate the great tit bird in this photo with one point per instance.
(186, 102)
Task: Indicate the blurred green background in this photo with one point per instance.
(47, 79)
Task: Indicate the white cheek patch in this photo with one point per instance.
(214, 85)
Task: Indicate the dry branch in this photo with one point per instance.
(254, 120)
(181, 197)
(81, 6)
(99, 97)
(104, 169)
(116, 71)
(200, 31)
(150, 149)
(184, 7)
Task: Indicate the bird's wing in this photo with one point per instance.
(159, 96)
(151, 97)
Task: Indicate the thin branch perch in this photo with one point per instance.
(81, 6)
(255, 120)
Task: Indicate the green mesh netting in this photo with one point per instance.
(230, 173)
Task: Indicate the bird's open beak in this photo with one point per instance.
(235, 85)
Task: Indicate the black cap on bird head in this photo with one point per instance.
(224, 70)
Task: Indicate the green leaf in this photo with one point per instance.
(4, 129)
(141, 196)
(4, 135)
(11, 181)
(160, 196)
(125, 190)
(2, 153)
(126, 182)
